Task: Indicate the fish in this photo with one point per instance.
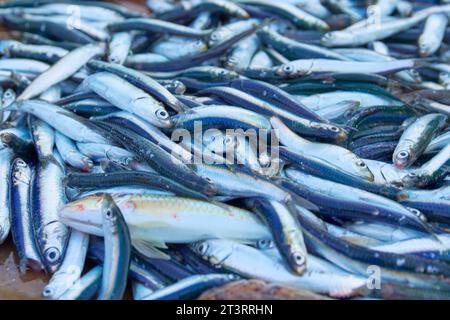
(117, 242)
(153, 219)
(180, 146)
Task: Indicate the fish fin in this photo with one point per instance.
(148, 249)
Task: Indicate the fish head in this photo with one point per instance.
(337, 38)
(52, 241)
(223, 74)
(199, 45)
(297, 262)
(362, 170)
(288, 70)
(110, 214)
(163, 117)
(84, 214)
(402, 158)
(330, 131)
(424, 47)
(214, 251)
(217, 37)
(9, 96)
(413, 178)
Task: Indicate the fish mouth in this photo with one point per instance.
(342, 136)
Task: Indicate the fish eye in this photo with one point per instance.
(334, 129)
(47, 292)
(228, 140)
(264, 243)
(52, 255)
(403, 155)
(108, 213)
(298, 258)
(202, 248)
(418, 214)
(361, 164)
(288, 68)
(161, 114)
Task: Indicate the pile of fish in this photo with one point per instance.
(301, 143)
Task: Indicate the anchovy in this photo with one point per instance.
(68, 123)
(298, 124)
(347, 160)
(86, 287)
(48, 198)
(117, 251)
(250, 262)
(43, 137)
(134, 178)
(433, 33)
(70, 153)
(342, 199)
(302, 67)
(147, 131)
(119, 47)
(363, 36)
(286, 232)
(71, 267)
(290, 12)
(416, 138)
(292, 49)
(21, 217)
(45, 53)
(160, 160)
(155, 25)
(127, 97)
(430, 172)
(434, 203)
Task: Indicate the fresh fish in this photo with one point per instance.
(156, 219)
(433, 34)
(71, 267)
(86, 287)
(70, 153)
(68, 123)
(21, 217)
(48, 198)
(61, 70)
(127, 97)
(250, 262)
(117, 251)
(6, 158)
(416, 138)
